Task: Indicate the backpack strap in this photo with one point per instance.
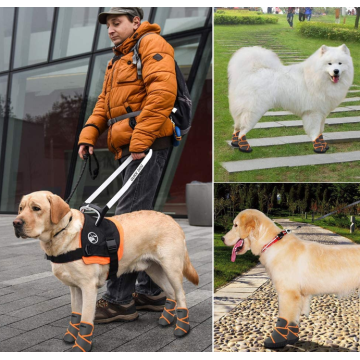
(136, 57)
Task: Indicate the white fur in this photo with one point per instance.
(258, 81)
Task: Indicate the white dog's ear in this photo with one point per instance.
(58, 208)
(323, 50)
(345, 49)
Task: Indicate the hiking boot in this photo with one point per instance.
(278, 338)
(168, 315)
(293, 335)
(148, 302)
(244, 146)
(73, 328)
(107, 312)
(235, 139)
(320, 146)
(83, 341)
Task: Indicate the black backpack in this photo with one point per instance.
(181, 113)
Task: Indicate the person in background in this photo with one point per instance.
(308, 12)
(302, 14)
(290, 16)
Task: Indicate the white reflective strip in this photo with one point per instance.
(109, 180)
(130, 181)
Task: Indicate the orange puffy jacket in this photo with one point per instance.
(154, 94)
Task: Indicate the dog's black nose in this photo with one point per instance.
(223, 239)
(336, 71)
(18, 223)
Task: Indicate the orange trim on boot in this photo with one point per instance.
(183, 320)
(168, 311)
(244, 146)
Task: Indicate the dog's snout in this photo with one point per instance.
(336, 71)
(18, 223)
(223, 238)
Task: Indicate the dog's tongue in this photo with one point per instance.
(238, 244)
(336, 79)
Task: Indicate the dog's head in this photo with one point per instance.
(336, 62)
(39, 213)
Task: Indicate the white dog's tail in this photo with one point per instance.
(189, 270)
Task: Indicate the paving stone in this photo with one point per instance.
(25, 279)
(6, 332)
(353, 91)
(290, 161)
(20, 304)
(351, 99)
(333, 137)
(52, 345)
(339, 109)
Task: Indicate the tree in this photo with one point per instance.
(274, 197)
(357, 17)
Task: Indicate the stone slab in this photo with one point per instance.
(25, 279)
(332, 137)
(353, 91)
(351, 99)
(290, 161)
(339, 109)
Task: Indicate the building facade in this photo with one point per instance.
(52, 65)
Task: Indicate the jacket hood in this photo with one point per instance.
(130, 42)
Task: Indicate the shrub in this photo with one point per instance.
(247, 20)
(329, 31)
(220, 12)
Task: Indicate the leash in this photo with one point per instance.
(101, 212)
(93, 175)
(336, 211)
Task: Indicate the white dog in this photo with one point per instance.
(258, 81)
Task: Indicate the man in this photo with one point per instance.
(302, 14)
(123, 92)
(290, 16)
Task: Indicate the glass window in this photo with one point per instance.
(104, 41)
(33, 36)
(3, 87)
(106, 159)
(45, 108)
(176, 19)
(6, 27)
(75, 31)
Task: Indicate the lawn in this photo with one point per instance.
(223, 126)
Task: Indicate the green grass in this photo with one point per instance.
(223, 122)
(224, 269)
(335, 229)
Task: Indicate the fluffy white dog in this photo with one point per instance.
(258, 81)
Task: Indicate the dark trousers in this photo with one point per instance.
(290, 19)
(301, 17)
(140, 196)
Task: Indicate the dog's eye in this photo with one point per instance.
(235, 225)
(330, 64)
(20, 209)
(35, 208)
(340, 63)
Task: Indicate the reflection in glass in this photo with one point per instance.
(6, 27)
(176, 19)
(45, 104)
(3, 86)
(106, 159)
(75, 31)
(104, 41)
(33, 36)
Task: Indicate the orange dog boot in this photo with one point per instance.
(293, 335)
(235, 139)
(320, 146)
(244, 146)
(182, 324)
(83, 342)
(73, 328)
(168, 315)
(278, 338)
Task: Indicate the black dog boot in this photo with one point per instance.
(83, 342)
(278, 338)
(182, 324)
(320, 146)
(73, 328)
(168, 315)
(244, 146)
(293, 335)
(235, 139)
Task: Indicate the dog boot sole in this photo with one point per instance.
(184, 334)
(292, 341)
(277, 345)
(235, 145)
(119, 318)
(245, 151)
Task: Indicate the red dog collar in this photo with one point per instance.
(277, 238)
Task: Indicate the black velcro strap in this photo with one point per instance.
(67, 257)
(93, 125)
(132, 121)
(122, 117)
(114, 262)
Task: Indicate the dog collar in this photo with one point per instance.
(64, 227)
(277, 238)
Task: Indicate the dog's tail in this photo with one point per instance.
(189, 270)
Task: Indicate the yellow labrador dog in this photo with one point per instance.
(153, 242)
(297, 268)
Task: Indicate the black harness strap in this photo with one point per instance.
(114, 262)
(67, 257)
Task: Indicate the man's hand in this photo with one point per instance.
(137, 156)
(83, 150)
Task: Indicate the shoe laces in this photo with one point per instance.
(102, 303)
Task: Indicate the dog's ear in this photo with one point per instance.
(345, 49)
(323, 50)
(58, 208)
(19, 205)
(247, 223)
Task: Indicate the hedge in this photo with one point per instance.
(329, 31)
(249, 20)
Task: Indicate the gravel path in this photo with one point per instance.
(332, 325)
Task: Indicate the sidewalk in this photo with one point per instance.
(35, 306)
(246, 309)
